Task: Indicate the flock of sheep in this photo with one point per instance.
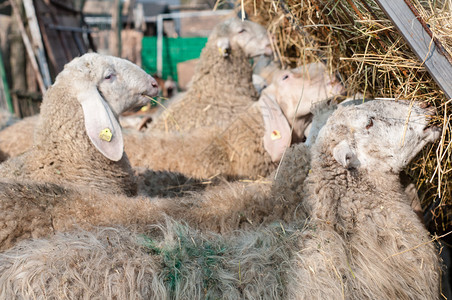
(84, 214)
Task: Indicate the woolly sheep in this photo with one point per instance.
(253, 141)
(354, 191)
(222, 84)
(18, 137)
(362, 240)
(30, 209)
(96, 89)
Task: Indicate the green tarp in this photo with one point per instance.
(5, 96)
(175, 50)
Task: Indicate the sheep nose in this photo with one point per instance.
(154, 84)
(425, 104)
(430, 112)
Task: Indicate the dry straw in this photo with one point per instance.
(358, 41)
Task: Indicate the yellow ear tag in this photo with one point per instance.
(223, 52)
(105, 134)
(276, 135)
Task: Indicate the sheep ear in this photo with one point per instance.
(101, 125)
(344, 155)
(223, 46)
(277, 136)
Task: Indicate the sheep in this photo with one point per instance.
(18, 137)
(222, 84)
(96, 89)
(251, 144)
(355, 191)
(361, 241)
(33, 210)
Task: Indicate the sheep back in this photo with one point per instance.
(129, 273)
(221, 88)
(18, 138)
(234, 151)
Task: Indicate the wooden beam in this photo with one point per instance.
(116, 23)
(37, 41)
(28, 47)
(421, 40)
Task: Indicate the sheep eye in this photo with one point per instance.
(370, 123)
(242, 30)
(110, 76)
(285, 77)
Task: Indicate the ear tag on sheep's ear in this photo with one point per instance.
(105, 134)
(277, 130)
(275, 135)
(223, 52)
(101, 125)
(223, 46)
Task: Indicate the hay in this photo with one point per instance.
(358, 41)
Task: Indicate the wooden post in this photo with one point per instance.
(37, 41)
(17, 62)
(28, 47)
(116, 24)
(417, 34)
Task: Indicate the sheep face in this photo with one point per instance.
(106, 86)
(122, 84)
(248, 36)
(308, 85)
(380, 135)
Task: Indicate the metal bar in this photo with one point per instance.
(79, 43)
(409, 23)
(68, 28)
(107, 20)
(159, 45)
(187, 14)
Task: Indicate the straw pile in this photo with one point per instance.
(357, 40)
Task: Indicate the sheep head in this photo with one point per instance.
(306, 85)
(297, 90)
(379, 136)
(107, 86)
(248, 36)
